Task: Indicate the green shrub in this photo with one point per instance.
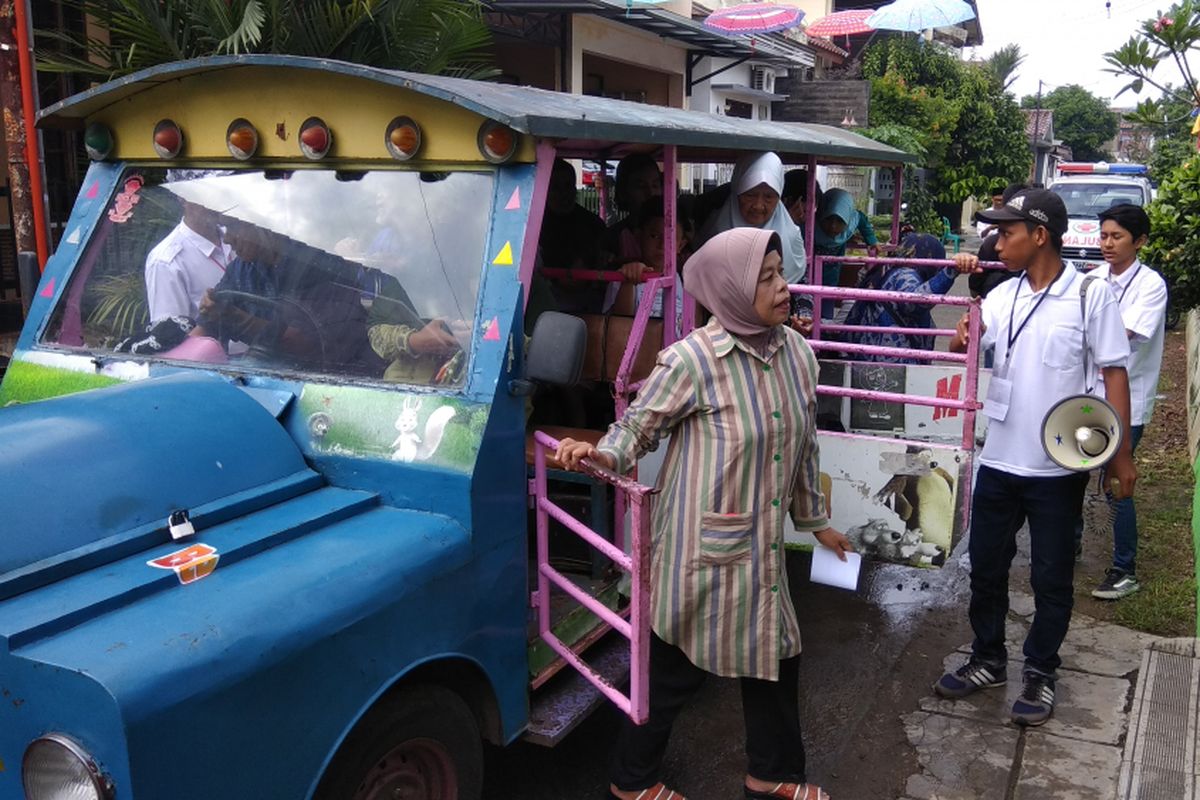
(1174, 248)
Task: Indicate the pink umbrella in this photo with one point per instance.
(841, 23)
(754, 18)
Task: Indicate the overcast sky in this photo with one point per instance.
(1065, 40)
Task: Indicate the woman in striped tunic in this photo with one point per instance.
(738, 399)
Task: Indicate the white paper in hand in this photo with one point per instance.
(827, 568)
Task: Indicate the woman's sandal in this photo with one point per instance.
(788, 791)
(656, 792)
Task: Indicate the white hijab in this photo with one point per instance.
(751, 170)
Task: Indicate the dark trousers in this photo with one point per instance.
(774, 747)
(1002, 503)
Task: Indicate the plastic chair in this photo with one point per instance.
(949, 237)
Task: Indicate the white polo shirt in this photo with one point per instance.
(180, 269)
(1142, 297)
(1046, 361)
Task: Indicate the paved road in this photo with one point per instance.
(863, 666)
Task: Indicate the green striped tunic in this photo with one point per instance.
(743, 452)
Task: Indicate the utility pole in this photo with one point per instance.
(1033, 137)
(26, 198)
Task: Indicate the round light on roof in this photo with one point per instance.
(497, 142)
(242, 139)
(403, 138)
(168, 139)
(56, 767)
(98, 141)
(315, 138)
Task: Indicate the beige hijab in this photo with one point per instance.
(723, 276)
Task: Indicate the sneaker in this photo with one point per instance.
(969, 678)
(1116, 584)
(1036, 703)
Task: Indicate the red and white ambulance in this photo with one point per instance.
(1087, 189)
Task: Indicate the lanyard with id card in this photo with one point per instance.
(1000, 388)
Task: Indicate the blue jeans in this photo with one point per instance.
(1001, 504)
(1125, 534)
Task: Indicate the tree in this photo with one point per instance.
(433, 36)
(1003, 64)
(1169, 36)
(1082, 120)
(1170, 120)
(969, 130)
(1175, 229)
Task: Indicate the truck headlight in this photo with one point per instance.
(56, 768)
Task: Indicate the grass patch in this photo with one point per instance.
(25, 382)
(1166, 605)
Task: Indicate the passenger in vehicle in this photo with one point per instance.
(795, 195)
(902, 278)
(182, 267)
(720, 602)
(754, 202)
(838, 221)
(649, 230)
(638, 180)
(291, 304)
(571, 238)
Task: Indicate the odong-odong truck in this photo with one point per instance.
(269, 526)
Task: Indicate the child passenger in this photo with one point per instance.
(744, 384)
(649, 230)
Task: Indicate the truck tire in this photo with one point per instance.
(423, 743)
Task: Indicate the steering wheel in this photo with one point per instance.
(283, 309)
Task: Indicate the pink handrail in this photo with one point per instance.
(889, 352)
(637, 564)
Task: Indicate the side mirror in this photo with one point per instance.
(556, 349)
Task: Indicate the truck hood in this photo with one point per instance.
(102, 470)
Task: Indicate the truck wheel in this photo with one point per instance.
(421, 744)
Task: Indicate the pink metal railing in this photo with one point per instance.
(637, 628)
(969, 405)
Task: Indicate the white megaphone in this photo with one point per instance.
(1082, 432)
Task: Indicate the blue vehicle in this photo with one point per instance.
(269, 530)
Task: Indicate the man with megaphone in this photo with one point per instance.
(1055, 331)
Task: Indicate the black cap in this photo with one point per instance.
(1039, 206)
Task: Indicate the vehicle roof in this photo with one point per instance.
(582, 125)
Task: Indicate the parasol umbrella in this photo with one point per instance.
(919, 15)
(841, 23)
(754, 18)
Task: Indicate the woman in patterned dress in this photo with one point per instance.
(738, 400)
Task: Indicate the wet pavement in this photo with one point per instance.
(873, 728)
(855, 649)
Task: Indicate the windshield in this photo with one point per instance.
(1089, 199)
(371, 275)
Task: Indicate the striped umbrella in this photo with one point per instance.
(754, 18)
(841, 23)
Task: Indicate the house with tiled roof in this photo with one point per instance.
(1048, 152)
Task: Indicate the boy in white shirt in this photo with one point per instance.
(1142, 299)
(1038, 324)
